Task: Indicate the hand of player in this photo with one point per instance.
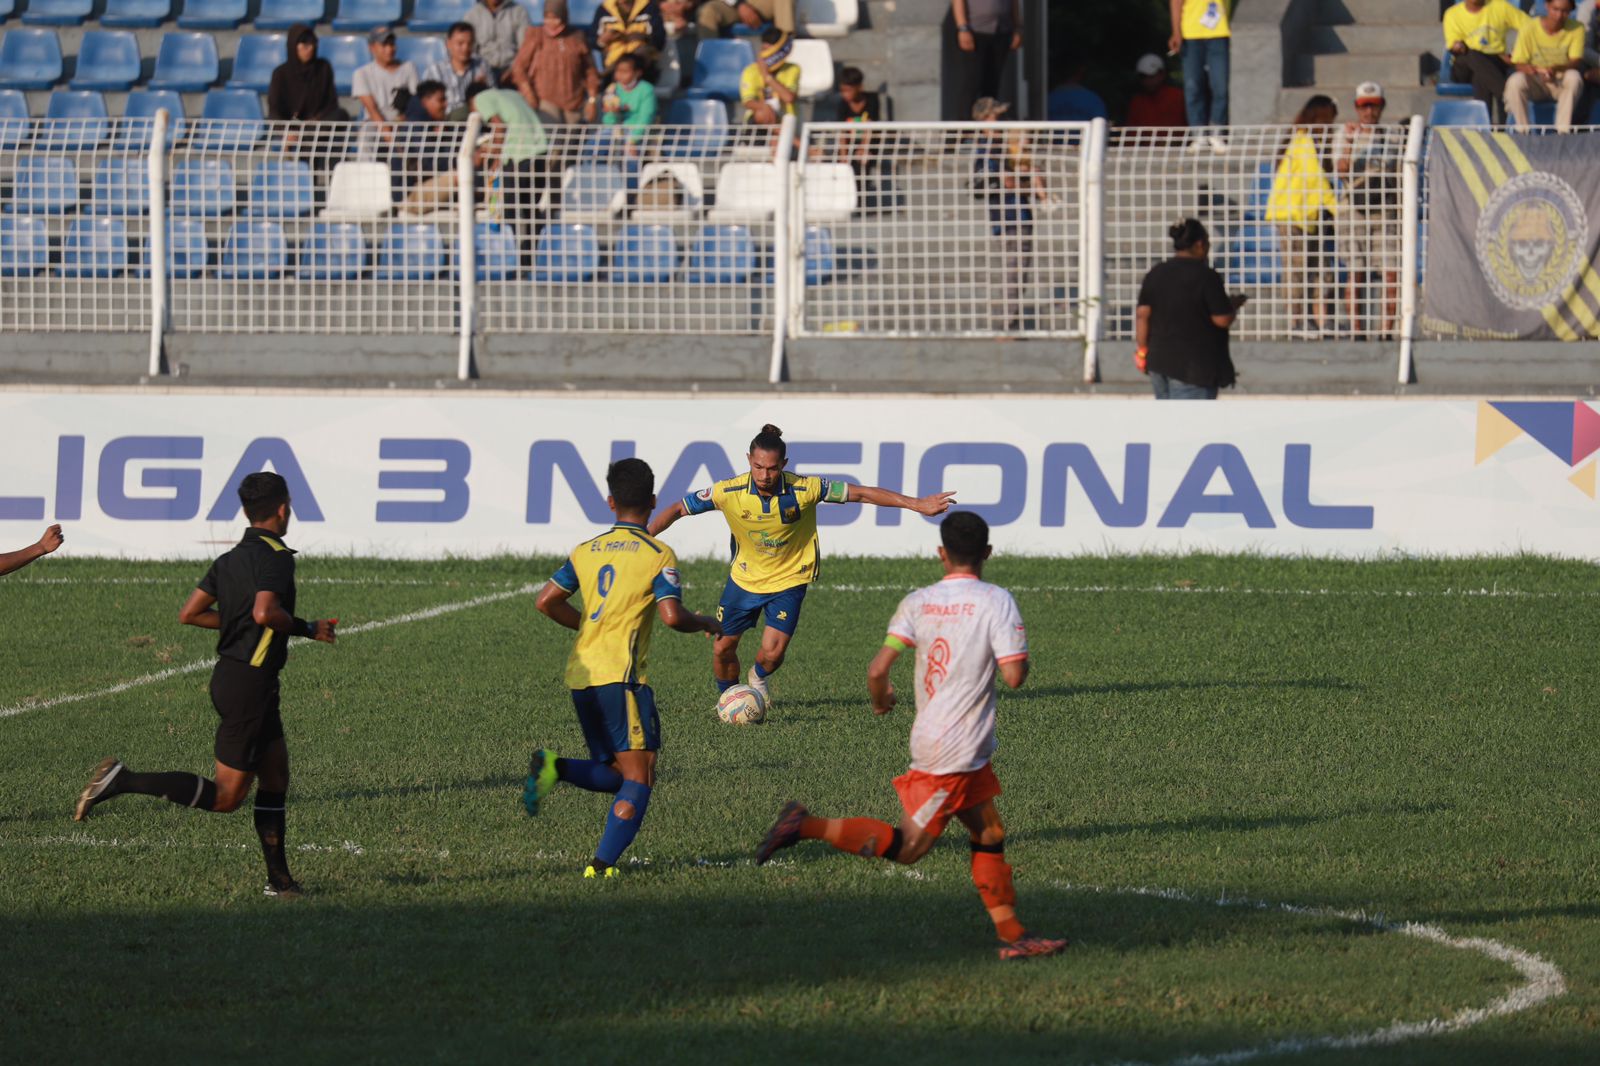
(889, 700)
(938, 503)
(712, 626)
(51, 540)
(967, 41)
(323, 629)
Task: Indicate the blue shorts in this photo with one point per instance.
(738, 609)
(617, 717)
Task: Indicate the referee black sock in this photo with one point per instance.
(269, 827)
(189, 790)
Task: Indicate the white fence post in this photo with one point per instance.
(1091, 280)
(157, 169)
(783, 240)
(1411, 198)
(467, 244)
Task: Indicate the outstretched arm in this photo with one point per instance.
(938, 503)
(552, 603)
(880, 690)
(46, 544)
(661, 521)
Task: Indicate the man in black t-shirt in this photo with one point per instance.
(248, 596)
(1183, 319)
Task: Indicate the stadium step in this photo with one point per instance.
(1352, 68)
(1379, 11)
(1416, 38)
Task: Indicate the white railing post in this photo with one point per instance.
(467, 244)
(1091, 280)
(784, 217)
(156, 163)
(1411, 219)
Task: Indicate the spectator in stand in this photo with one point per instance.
(498, 26)
(1185, 312)
(715, 16)
(377, 85)
(554, 70)
(1200, 32)
(630, 101)
(986, 33)
(1005, 176)
(459, 70)
(1475, 34)
(1548, 55)
(861, 109)
(1158, 103)
(510, 155)
(628, 27)
(1072, 101)
(1369, 214)
(1302, 204)
(302, 88)
(423, 153)
(769, 87)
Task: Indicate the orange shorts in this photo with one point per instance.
(931, 800)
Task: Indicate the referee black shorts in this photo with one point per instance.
(246, 699)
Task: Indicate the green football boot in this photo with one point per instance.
(541, 779)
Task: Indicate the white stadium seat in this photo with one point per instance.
(358, 191)
(746, 192)
(830, 192)
(815, 60)
(828, 18)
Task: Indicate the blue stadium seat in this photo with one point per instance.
(138, 117)
(202, 188)
(233, 121)
(589, 189)
(188, 251)
(1446, 87)
(212, 14)
(255, 251)
(14, 124)
(1449, 112)
(108, 60)
(359, 16)
(535, 10)
(722, 255)
(335, 251)
(436, 16)
(498, 253)
(1260, 191)
(644, 255)
(45, 184)
(820, 263)
(1542, 113)
(281, 188)
(30, 59)
(281, 14)
(57, 12)
(420, 51)
(121, 185)
(186, 63)
(695, 128)
(95, 248)
(136, 14)
(718, 62)
(566, 253)
(7, 9)
(24, 246)
(347, 53)
(580, 13)
(256, 59)
(411, 251)
(1249, 256)
(76, 120)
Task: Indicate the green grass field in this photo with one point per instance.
(1342, 737)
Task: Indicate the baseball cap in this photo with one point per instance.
(1150, 63)
(988, 105)
(1369, 92)
(379, 34)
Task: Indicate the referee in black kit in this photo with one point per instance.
(248, 597)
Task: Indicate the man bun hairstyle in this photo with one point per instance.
(1186, 233)
(964, 535)
(770, 439)
(631, 482)
(262, 493)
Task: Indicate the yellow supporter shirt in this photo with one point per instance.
(1540, 49)
(752, 86)
(1483, 30)
(775, 543)
(620, 575)
(1205, 19)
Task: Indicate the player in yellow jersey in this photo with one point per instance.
(772, 515)
(620, 575)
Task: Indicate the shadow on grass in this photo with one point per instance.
(1224, 823)
(1122, 688)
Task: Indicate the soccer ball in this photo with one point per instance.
(742, 705)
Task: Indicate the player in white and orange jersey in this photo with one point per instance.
(964, 630)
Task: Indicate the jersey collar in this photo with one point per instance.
(959, 577)
(257, 533)
(629, 525)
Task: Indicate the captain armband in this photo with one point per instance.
(836, 491)
(892, 641)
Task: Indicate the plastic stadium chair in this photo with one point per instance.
(1541, 113)
(566, 253)
(256, 59)
(436, 16)
(24, 246)
(830, 192)
(29, 59)
(75, 121)
(95, 248)
(722, 255)
(1446, 87)
(411, 251)
(281, 188)
(255, 251)
(281, 14)
(335, 251)
(57, 12)
(1458, 113)
(121, 185)
(136, 14)
(689, 183)
(186, 63)
(233, 121)
(819, 255)
(593, 192)
(746, 192)
(694, 129)
(202, 188)
(108, 60)
(498, 254)
(580, 13)
(359, 191)
(359, 16)
(645, 255)
(14, 124)
(7, 9)
(718, 62)
(138, 118)
(347, 53)
(188, 251)
(45, 184)
(212, 14)
(420, 51)
(828, 18)
(815, 60)
(1249, 256)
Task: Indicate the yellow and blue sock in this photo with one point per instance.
(620, 831)
(589, 775)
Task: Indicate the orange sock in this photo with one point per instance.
(992, 875)
(866, 837)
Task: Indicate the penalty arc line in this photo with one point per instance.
(201, 664)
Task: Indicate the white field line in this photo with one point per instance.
(201, 664)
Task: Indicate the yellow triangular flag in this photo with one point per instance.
(1584, 479)
(1495, 431)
